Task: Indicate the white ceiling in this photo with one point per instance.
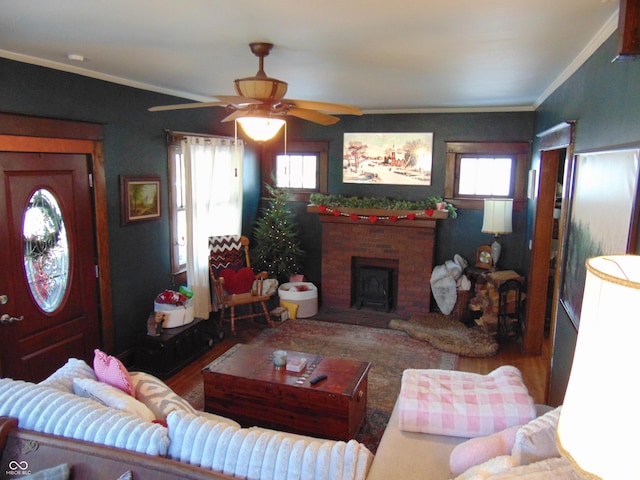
(381, 56)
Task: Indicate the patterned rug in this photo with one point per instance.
(389, 352)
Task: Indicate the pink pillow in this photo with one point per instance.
(111, 371)
(478, 450)
(238, 282)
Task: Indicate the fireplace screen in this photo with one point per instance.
(374, 287)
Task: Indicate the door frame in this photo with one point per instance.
(551, 141)
(20, 133)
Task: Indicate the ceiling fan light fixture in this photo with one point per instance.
(269, 89)
(261, 129)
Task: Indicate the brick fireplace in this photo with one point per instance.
(406, 245)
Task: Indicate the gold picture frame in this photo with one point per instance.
(140, 199)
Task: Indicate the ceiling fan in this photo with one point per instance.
(263, 97)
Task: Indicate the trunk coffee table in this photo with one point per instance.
(243, 384)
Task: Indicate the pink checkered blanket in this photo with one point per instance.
(463, 404)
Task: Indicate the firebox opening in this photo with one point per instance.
(374, 283)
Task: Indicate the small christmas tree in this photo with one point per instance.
(277, 249)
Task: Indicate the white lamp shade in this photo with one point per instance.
(498, 213)
(261, 128)
(600, 419)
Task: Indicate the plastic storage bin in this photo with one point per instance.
(175, 315)
(307, 300)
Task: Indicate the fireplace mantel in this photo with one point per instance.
(403, 218)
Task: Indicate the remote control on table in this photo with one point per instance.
(317, 379)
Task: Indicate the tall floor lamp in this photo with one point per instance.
(600, 419)
(497, 220)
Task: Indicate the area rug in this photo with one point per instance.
(448, 334)
(389, 352)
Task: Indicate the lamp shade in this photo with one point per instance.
(600, 419)
(261, 128)
(497, 215)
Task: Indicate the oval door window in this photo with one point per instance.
(46, 250)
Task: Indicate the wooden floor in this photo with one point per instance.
(534, 368)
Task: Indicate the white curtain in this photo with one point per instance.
(213, 171)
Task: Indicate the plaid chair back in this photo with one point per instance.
(226, 251)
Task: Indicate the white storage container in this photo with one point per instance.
(175, 315)
(307, 300)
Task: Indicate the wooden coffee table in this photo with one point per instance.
(243, 384)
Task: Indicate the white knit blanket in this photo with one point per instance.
(45, 409)
(257, 453)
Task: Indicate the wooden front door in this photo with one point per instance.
(49, 309)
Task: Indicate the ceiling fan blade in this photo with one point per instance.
(224, 100)
(237, 100)
(326, 107)
(313, 116)
(234, 116)
(183, 106)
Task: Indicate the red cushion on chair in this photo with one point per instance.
(238, 282)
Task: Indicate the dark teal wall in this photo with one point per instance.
(134, 144)
(460, 236)
(603, 97)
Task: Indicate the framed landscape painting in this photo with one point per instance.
(139, 199)
(602, 217)
(387, 158)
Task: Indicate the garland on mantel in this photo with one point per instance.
(374, 218)
(334, 203)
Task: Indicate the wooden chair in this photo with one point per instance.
(232, 252)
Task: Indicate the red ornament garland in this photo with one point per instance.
(374, 218)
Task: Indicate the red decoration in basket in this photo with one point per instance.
(337, 213)
(393, 218)
(170, 297)
(373, 218)
(411, 216)
(353, 217)
(322, 208)
(429, 212)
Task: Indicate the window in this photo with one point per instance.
(178, 207)
(299, 171)
(302, 169)
(205, 171)
(476, 170)
(485, 176)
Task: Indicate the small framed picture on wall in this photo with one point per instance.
(139, 199)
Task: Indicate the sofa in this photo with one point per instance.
(523, 450)
(98, 431)
(128, 418)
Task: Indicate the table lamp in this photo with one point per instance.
(599, 421)
(497, 221)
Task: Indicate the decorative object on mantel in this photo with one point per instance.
(448, 335)
(374, 209)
